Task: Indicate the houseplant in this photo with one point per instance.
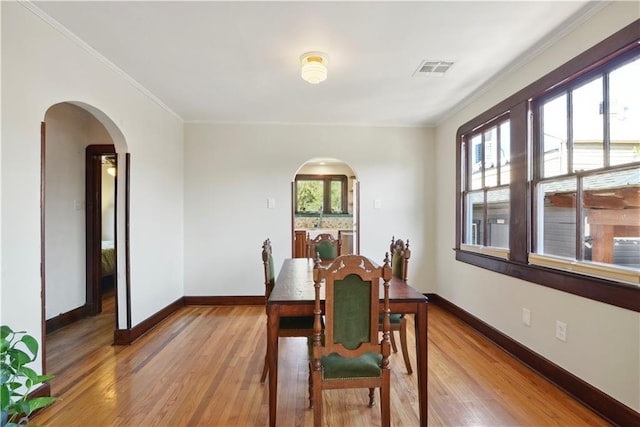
(17, 349)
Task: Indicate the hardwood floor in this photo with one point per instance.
(201, 367)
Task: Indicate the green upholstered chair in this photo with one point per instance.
(400, 254)
(349, 354)
(294, 326)
(323, 245)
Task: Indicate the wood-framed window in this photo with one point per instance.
(544, 170)
(486, 156)
(326, 194)
(586, 175)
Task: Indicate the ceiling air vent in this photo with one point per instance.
(432, 68)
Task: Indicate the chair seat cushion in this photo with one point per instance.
(296, 322)
(337, 367)
(394, 319)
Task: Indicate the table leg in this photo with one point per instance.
(421, 353)
(273, 324)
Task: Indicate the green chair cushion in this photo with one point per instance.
(352, 305)
(296, 322)
(396, 265)
(394, 319)
(337, 367)
(326, 250)
(272, 274)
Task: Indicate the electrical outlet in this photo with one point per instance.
(561, 331)
(526, 316)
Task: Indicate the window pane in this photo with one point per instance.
(476, 162)
(505, 153)
(491, 157)
(587, 126)
(475, 218)
(309, 195)
(498, 218)
(336, 196)
(624, 113)
(554, 144)
(557, 218)
(612, 218)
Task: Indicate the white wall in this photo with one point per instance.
(42, 66)
(603, 344)
(231, 171)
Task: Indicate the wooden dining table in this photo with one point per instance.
(294, 295)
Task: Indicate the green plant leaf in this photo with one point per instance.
(29, 373)
(20, 407)
(4, 397)
(40, 402)
(31, 344)
(5, 331)
(18, 357)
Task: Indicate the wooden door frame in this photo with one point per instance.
(93, 218)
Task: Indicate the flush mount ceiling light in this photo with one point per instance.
(314, 66)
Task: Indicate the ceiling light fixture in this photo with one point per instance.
(314, 66)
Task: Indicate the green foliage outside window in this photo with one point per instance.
(321, 193)
(310, 195)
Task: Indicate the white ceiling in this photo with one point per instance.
(238, 61)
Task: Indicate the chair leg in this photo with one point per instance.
(310, 387)
(385, 407)
(403, 344)
(265, 369)
(372, 397)
(317, 402)
(394, 347)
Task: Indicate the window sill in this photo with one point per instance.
(487, 250)
(604, 271)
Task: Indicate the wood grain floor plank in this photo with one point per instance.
(202, 365)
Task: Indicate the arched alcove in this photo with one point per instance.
(325, 199)
(76, 139)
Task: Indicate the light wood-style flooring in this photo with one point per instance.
(201, 367)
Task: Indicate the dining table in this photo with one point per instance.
(294, 295)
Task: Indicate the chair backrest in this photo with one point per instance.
(269, 270)
(324, 245)
(400, 254)
(352, 307)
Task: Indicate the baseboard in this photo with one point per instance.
(64, 319)
(127, 336)
(224, 300)
(601, 403)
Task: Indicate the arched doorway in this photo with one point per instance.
(325, 199)
(79, 145)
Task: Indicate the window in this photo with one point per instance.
(587, 184)
(486, 156)
(548, 180)
(321, 193)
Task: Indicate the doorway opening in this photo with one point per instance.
(325, 198)
(80, 224)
